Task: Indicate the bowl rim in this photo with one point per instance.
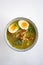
(21, 50)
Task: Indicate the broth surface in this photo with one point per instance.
(22, 38)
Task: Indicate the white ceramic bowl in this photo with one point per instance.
(19, 18)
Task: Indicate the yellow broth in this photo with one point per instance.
(17, 41)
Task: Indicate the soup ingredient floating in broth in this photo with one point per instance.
(12, 28)
(23, 24)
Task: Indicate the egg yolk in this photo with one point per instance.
(13, 27)
(24, 24)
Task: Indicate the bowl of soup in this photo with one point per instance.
(21, 34)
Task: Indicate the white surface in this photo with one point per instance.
(32, 9)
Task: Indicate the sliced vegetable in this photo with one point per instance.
(18, 42)
(31, 29)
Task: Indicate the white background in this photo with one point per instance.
(32, 9)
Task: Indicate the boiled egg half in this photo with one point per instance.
(23, 24)
(12, 28)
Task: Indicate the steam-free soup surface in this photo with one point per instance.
(19, 35)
